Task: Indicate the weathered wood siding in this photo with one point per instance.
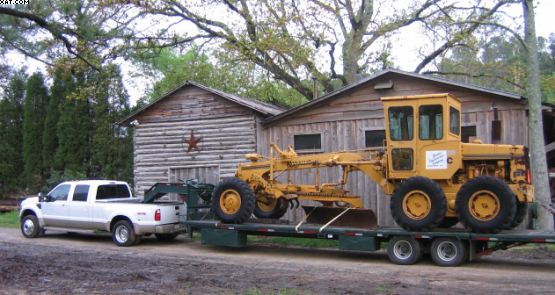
(343, 120)
(160, 153)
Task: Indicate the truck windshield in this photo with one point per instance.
(112, 191)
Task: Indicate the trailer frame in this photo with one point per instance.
(447, 247)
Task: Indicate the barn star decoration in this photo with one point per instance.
(192, 142)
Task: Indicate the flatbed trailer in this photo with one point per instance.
(447, 247)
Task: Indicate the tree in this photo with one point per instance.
(73, 129)
(233, 77)
(11, 121)
(111, 152)
(62, 86)
(326, 39)
(34, 108)
(535, 122)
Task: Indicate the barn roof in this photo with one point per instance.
(340, 91)
(261, 107)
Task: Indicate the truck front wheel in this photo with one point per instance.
(123, 234)
(30, 227)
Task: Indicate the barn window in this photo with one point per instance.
(467, 132)
(374, 138)
(431, 122)
(308, 142)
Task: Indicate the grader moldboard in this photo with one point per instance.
(433, 178)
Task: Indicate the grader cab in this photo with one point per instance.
(433, 178)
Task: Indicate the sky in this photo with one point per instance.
(403, 54)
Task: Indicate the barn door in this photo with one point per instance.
(202, 173)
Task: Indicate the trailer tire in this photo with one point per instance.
(449, 252)
(166, 237)
(275, 210)
(233, 201)
(448, 222)
(123, 234)
(486, 204)
(404, 250)
(30, 227)
(418, 204)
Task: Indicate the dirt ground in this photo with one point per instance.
(86, 263)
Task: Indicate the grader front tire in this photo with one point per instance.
(233, 201)
(418, 204)
(486, 204)
(270, 207)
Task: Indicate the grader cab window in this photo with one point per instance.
(400, 123)
(431, 122)
(402, 159)
(454, 121)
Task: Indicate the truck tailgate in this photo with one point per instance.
(171, 212)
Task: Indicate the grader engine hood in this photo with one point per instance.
(479, 151)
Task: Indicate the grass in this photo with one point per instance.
(9, 219)
(256, 291)
(532, 247)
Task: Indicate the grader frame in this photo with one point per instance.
(433, 177)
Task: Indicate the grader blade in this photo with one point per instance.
(341, 217)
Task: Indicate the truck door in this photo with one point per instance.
(79, 207)
(56, 210)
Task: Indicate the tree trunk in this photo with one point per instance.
(535, 123)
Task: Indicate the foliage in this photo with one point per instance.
(34, 108)
(499, 63)
(11, 123)
(237, 78)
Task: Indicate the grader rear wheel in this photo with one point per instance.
(233, 201)
(486, 204)
(418, 204)
(267, 207)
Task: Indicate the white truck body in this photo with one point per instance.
(99, 205)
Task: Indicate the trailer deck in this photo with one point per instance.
(448, 247)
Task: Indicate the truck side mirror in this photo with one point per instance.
(41, 197)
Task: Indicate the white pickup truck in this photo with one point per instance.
(101, 205)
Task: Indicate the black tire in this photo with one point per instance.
(239, 192)
(30, 227)
(521, 210)
(504, 210)
(278, 210)
(404, 250)
(448, 222)
(449, 252)
(123, 234)
(437, 207)
(166, 237)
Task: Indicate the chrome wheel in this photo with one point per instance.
(447, 251)
(28, 227)
(402, 249)
(122, 234)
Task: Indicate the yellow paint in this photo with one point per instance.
(230, 201)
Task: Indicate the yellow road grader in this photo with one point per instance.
(434, 179)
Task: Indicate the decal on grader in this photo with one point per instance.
(434, 179)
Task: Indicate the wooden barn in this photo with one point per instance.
(196, 132)
(349, 118)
